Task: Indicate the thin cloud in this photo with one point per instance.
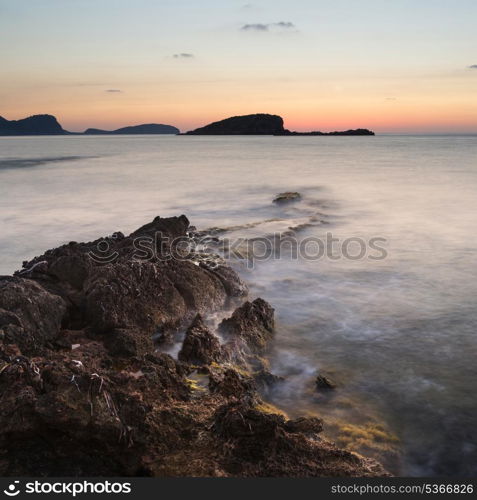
(255, 27)
(281, 25)
(390, 98)
(284, 24)
(473, 66)
(113, 91)
(183, 55)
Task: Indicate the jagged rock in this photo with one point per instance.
(287, 197)
(139, 282)
(200, 346)
(265, 379)
(265, 444)
(29, 315)
(232, 384)
(238, 420)
(253, 322)
(123, 342)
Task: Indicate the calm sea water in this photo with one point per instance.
(398, 335)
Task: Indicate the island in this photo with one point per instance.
(149, 128)
(262, 124)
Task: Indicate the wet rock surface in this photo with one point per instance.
(287, 197)
(200, 346)
(253, 322)
(323, 382)
(86, 392)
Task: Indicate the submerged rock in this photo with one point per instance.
(324, 382)
(287, 197)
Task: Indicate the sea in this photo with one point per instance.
(375, 287)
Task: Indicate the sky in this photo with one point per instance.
(394, 66)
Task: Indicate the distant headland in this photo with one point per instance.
(33, 125)
(49, 125)
(256, 124)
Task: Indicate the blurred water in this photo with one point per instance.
(398, 335)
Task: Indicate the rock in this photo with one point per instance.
(84, 393)
(253, 322)
(232, 384)
(138, 283)
(305, 425)
(324, 382)
(265, 379)
(287, 197)
(125, 343)
(29, 315)
(200, 346)
(238, 420)
(232, 283)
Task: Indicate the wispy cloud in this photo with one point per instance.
(281, 25)
(284, 24)
(473, 66)
(390, 98)
(183, 55)
(113, 91)
(255, 27)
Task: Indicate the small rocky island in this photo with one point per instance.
(150, 128)
(261, 124)
(86, 392)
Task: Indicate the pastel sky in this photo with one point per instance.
(392, 66)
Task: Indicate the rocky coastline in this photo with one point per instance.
(86, 391)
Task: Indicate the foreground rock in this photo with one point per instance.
(85, 393)
(200, 346)
(253, 322)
